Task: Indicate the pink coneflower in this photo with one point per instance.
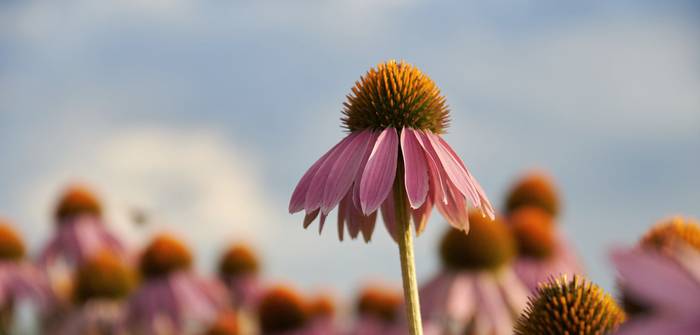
(534, 189)
(283, 311)
(393, 158)
(80, 233)
(660, 279)
(239, 269)
(542, 250)
(322, 312)
(19, 280)
(476, 292)
(102, 285)
(172, 299)
(378, 312)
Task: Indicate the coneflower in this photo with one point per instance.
(20, 281)
(239, 269)
(378, 311)
(172, 298)
(394, 159)
(283, 311)
(476, 291)
(322, 312)
(542, 250)
(101, 286)
(563, 306)
(534, 189)
(660, 279)
(80, 230)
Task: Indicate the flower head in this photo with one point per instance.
(239, 260)
(379, 303)
(669, 232)
(489, 245)
(533, 230)
(395, 95)
(11, 244)
(165, 255)
(392, 158)
(561, 306)
(322, 307)
(534, 189)
(77, 200)
(282, 309)
(104, 276)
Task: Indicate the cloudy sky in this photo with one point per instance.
(205, 114)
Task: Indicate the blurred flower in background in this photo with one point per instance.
(532, 206)
(20, 281)
(378, 311)
(172, 298)
(476, 291)
(660, 279)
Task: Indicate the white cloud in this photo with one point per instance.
(190, 182)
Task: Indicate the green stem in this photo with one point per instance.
(408, 267)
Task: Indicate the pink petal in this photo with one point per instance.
(314, 194)
(484, 203)
(354, 219)
(657, 279)
(437, 184)
(296, 203)
(455, 208)
(416, 168)
(344, 169)
(310, 217)
(492, 305)
(660, 325)
(380, 171)
(422, 214)
(389, 216)
(451, 167)
(367, 226)
(342, 214)
(322, 222)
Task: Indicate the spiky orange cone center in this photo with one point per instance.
(488, 245)
(282, 309)
(563, 306)
(239, 260)
(534, 190)
(380, 303)
(670, 232)
(11, 244)
(534, 233)
(104, 276)
(165, 255)
(395, 95)
(77, 200)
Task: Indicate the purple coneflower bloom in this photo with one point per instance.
(395, 115)
(19, 280)
(239, 270)
(322, 313)
(172, 299)
(661, 279)
(80, 233)
(378, 312)
(282, 311)
(542, 250)
(477, 291)
(102, 285)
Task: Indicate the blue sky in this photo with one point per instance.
(206, 114)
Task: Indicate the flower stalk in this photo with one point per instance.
(405, 241)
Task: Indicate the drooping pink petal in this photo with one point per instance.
(354, 218)
(422, 214)
(310, 217)
(322, 222)
(342, 214)
(344, 169)
(296, 203)
(485, 204)
(367, 226)
(416, 168)
(380, 171)
(389, 216)
(451, 167)
(314, 194)
(437, 184)
(657, 279)
(454, 209)
(492, 305)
